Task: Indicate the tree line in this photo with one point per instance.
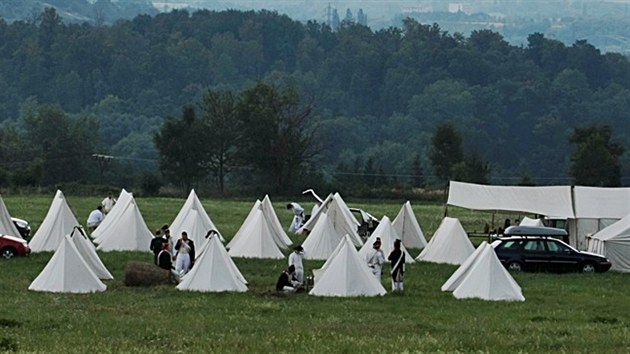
(376, 99)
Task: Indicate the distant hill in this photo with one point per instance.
(76, 11)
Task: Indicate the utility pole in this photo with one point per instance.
(102, 161)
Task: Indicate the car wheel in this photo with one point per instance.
(514, 266)
(8, 253)
(588, 268)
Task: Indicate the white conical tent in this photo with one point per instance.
(461, 272)
(281, 237)
(322, 240)
(340, 216)
(531, 222)
(67, 272)
(449, 244)
(385, 230)
(277, 234)
(408, 228)
(488, 279)
(129, 231)
(88, 253)
(184, 222)
(256, 240)
(7, 227)
(614, 243)
(111, 219)
(214, 271)
(346, 274)
(58, 223)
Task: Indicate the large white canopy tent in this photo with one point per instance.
(386, 232)
(67, 272)
(586, 209)
(58, 223)
(614, 243)
(486, 278)
(193, 219)
(408, 228)
(346, 274)
(449, 244)
(7, 227)
(214, 271)
(340, 215)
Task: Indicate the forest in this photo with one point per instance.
(84, 103)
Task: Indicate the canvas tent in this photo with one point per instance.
(112, 217)
(346, 274)
(449, 244)
(386, 232)
(487, 279)
(67, 272)
(340, 216)
(88, 253)
(214, 271)
(276, 232)
(7, 227)
(322, 240)
(525, 221)
(58, 223)
(193, 219)
(408, 228)
(255, 239)
(613, 242)
(128, 231)
(456, 278)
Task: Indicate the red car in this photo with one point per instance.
(11, 246)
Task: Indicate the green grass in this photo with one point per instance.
(566, 313)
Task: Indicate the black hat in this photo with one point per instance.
(299, 248)
(165, 227)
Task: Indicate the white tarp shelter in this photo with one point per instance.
(67, 272)
(613, 242)
(88, 253)
(7, 227)
(128, 231)
(408, 228)
(346, 274)
(255, 239)
(340, 216)
(456, 278)
(322, 240)
(449, 244)
(193, 219)
(586, 209)
(214, 271)
(281, 237)
(58, 223)
(385, 230)
(487, 279)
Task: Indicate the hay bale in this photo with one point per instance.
(147, 274)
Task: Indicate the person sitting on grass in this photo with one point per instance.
(286, 282)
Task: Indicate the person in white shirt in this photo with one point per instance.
(298, 216)
(108, 203)
(295, 260)
(376, 258)
(185, 249)
(95, 218)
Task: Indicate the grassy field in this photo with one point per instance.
(567, 313)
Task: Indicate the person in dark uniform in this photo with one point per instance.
(156, 245)
(285, 281)
(397, 259)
